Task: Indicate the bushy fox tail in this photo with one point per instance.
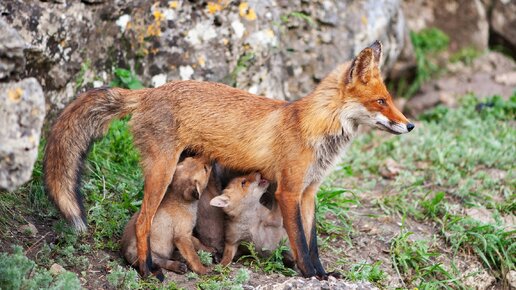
(85, 119)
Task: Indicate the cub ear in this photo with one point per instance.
(220, 201)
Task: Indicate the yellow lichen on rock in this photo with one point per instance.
(247, 12)
(15, 94)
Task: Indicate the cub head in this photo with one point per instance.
(191, 178)
(366, 99)
(241, 192)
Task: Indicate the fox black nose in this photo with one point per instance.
(410, 126)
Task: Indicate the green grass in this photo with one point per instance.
(222, 279)
(365, 272)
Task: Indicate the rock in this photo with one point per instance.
(22, 110)
(503, 20)
(511, 278)
(477, 278)
(480, 214)
(314, 284)
(490, 74)
(464, 21)
(390, 169)
(271, 48)
(12, 60)
(29, 229)
(56, 269)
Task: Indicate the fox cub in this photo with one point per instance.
(174, 221)
(249, 220)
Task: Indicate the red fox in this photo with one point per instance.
(294, 143)
(174, 221)
(249, 220)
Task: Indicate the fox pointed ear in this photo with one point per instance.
(362, 66)
(377, 51)
(220, 201)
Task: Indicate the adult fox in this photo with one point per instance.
(292, 143)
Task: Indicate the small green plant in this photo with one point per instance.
(18, 272)
(331, 210)
(365, 272)
(427, 43)
(433, 207)
(125, 79)
(466, 55)
(79, 78)
(244, 61)
(205, 257)
(286, 18)
(271, 264)
(495, 246)
(223, 281)
(416, 261)
(123, 278)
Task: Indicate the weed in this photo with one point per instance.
(331, 211)
(244, 61)
(205, 257)
(223, 281)
(365, 272)
(495, 246)
(125, 79)
(433, 207)
(416, 261)
(427, 43)
(286, 18)
(271, 264)
(123, 278)
(466, 55)
(18, 272)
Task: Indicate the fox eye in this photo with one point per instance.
(381, 102)
(244, 182)
(205, 168)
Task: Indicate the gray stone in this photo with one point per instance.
(22, 110)
(12, 60)
(503, 20)
(464, 21)
(314, 284)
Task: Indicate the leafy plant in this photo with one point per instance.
(223, 281)
(365, 272)
(331, 210)
(125, 79)
(271, 264)
(243, 62)
(18, 272)
(466, 55)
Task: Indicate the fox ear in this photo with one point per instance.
(362, 66)
(377, 51)
(220, 201)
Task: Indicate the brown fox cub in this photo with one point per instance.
(294, 144)
(174, 221)
(248, 220)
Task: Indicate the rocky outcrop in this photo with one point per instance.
(277, 48)
(503, 21)
(22, 110)
(464, 21)
(12, 60)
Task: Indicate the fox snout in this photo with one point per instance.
(394, 127)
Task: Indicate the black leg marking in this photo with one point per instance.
(153, 268)
(304, 262)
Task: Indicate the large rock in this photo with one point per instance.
(22, 110)
(464, 21)
(12, 60)
(274, 47)
(503, 20)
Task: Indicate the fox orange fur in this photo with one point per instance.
(294, 144)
